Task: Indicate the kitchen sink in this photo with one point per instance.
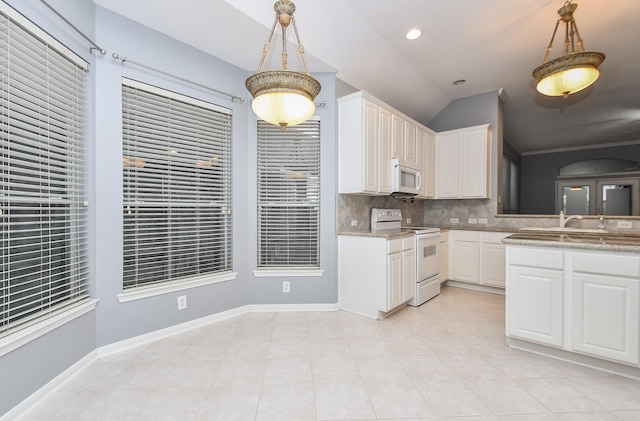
(567, 230)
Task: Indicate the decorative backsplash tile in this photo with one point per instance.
(438, 213)
(353, 207)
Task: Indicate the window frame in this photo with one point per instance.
(163, 185)
(271, 175)
(43, 103)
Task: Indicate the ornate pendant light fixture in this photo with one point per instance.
(283, 97)
(573, 71)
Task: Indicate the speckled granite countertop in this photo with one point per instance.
(480, 227)
(387, 235)
(610, 242)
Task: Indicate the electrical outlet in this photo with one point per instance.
(482, 221)
(473, 221)
(453, 220)
(354, 223)
(624, 224)
(286, 286)
(182, 302)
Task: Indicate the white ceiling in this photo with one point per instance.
(492, 44)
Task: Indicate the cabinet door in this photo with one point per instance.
(410, 144)
(370, 144)
(384, 164)
(447, 165)
(394, 281)
(535, 304)
(474, 156)
(408, 275)
(493, 265)
(606, 318)
(444, 258)
(429, 165)
(397, 140)
(465, 261)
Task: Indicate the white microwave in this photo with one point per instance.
(405, 180)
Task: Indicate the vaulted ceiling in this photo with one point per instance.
(492, 44)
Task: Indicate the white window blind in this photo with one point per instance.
(177, 186)
(43, 209)
(289, 195)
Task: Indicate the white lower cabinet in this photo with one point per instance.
(535, 296)
(444, 256)
(401, 264)
(477, 257)
(375, 275)
(606, 301)
(465, 256)
(586, 302)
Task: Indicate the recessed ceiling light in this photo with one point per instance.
(414, 34)
(459, 82)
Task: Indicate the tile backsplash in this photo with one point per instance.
(437, 213)
(353, 207)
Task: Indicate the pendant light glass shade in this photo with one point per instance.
(575, 70)
(569, 74)
(283, 97)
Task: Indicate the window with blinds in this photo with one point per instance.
(177, 186)
(289, 196)
(43, 209)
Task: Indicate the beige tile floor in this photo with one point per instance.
(445, 360)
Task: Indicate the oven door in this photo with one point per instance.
(427, 255)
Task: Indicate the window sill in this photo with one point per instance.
(265, 273)
(152, 291)
(16, 340)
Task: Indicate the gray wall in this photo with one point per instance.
(31, 366)
(538, 174)
(472, 111)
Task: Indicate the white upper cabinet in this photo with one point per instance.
(384, 161)
(358, 131)
(410, 144)
(463, 158)
(370, 134)
(426, 141)
(397, 141)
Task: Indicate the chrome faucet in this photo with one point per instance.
(563, 221)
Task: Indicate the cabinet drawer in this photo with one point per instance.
(607, 264)
(408, 243)
(549, 259)
(465, 235)
(394, 246)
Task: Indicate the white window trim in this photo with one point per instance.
(172, 285)
(141, 293)
(265, 273)
(283, 270)
(23, 336)
(43, 35)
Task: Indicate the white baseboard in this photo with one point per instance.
(475, 287)
(49, 388)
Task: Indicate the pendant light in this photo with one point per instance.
(572, 72)
(283, 97)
